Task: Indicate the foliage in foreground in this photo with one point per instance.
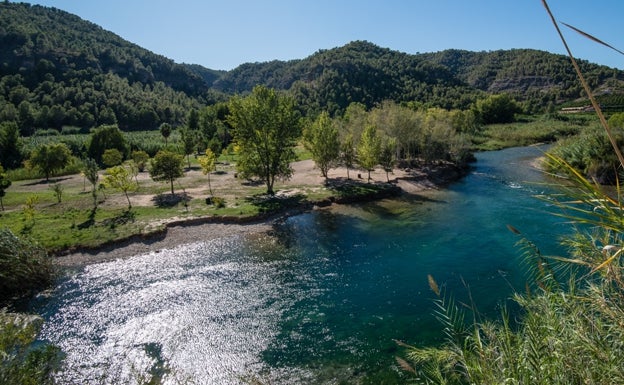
(583, 313)
(572, 332)
(20, 363)
(24, 266)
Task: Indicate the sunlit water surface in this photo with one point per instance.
(319, 300)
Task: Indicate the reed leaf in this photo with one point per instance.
(590, 95)
(593, 38)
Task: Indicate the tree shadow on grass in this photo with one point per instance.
(50, 181)
(276, 203)
(126, 216)
(170, 200)
(89, 222)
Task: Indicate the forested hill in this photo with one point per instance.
(539, 77)
(364, 72)
(58, 70)
(359, 71)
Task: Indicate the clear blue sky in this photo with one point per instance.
(222, 34)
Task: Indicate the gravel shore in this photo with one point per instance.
(415, 182)
(167, 239)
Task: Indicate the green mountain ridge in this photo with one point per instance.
(58, 70)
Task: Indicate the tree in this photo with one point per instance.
(140, 158)
(90, 171)
(58, 189)
(208, 164)
(188, 142)
(120, 178)
(266, 128)
(10, 154)
(165, 131)
(386, 157)
(166, 166)
(348, 154)
(112, 157)
(496, 109)
(321, 139)
(369, 149)
(50, 158)
(5, 183)
(192, 120)
(104, 138)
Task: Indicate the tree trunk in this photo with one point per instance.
(128, 198)
(172, 187)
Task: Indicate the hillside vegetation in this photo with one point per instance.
(59, 70)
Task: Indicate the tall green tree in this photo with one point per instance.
(496, 109)
(167, 166)
(10, 154)
(165, 131)
(266, 129)
(348, 154)
(50, 158)
(189, 139)
(5, 183)
(321, 139)
(369, 149)
(104, 138)
(386, 157)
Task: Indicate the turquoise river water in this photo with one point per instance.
(318, 301)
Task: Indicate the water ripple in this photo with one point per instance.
(163, 313)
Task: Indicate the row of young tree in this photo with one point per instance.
(265, 127)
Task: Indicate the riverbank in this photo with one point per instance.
(175, 232)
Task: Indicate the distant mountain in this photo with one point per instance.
(538, 77)
(59, 70)
(357, 72)
(361, 71)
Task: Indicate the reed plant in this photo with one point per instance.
(570, 329)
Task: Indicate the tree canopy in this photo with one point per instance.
(369, 149)
(104, 138)
(321, 139)
(50, 158)
(120, 178)
(167, 166)
(5, 183)
(266, 129)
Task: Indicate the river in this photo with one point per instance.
(319, 300)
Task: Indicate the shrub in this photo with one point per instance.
(112, 157)
(24, 266)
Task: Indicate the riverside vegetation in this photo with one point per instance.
(570, 329)
(102, 164)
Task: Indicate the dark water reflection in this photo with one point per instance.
(319, 300)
